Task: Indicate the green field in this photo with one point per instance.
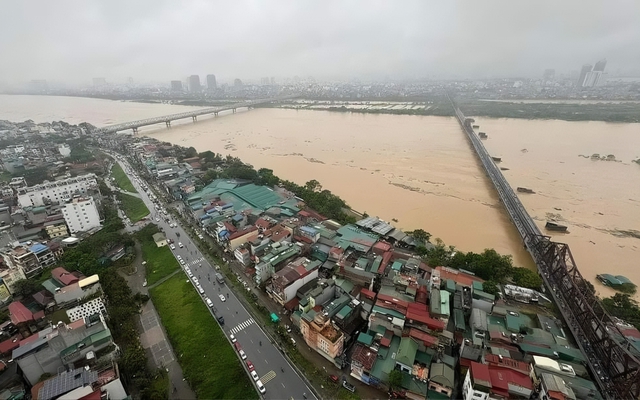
(133, 207)
(160, 260)
(122, 180)
(209, 363)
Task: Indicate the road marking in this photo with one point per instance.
(268, 376)
(242, 325)
(283, 385)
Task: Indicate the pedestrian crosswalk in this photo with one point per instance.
(241, 326)
(268, 376)
(197, 261)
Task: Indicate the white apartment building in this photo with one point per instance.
(95, 306)
(81, 214)
(59, 191)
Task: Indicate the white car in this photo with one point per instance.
(233, 338)
(182, 261)
(222, 298)
(172, 247)
(157, 219)
(255, 376)
(209, 302)
(200, 289)
(243, 355)
(200, 236)
(180, 245)
(261, 387)
(195, 281)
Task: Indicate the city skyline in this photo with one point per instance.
(420, 40)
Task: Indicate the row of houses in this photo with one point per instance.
(359, 297)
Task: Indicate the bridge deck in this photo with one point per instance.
(615, 365)
(189, 114)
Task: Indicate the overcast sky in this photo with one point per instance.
(163, 40)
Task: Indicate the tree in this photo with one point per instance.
(526, 278)
(26, 287)
(395, 379)
(420, 235)
(490, 287)
(313, 186)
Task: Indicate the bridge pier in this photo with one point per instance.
(168, 124)
(195, 118)
(234, 110)
(215, 114)
(135, 131)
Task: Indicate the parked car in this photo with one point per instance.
(255, 376)
(243, 355)
(348, 386)
(261, 388)
(172, 247)
(209, 302)
(250, 365)
(334, 378)
(233, 338)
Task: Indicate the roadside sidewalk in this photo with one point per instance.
(154, 338)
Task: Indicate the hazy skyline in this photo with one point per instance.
(162, 40)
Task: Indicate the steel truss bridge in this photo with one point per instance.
(614, 363)
(166, 119)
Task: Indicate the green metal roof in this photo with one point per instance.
(513, 323)
(383, 366)
(479, 294)
(434, 301)
(450, 286)
(344, 311)
(396, 266)
(365, 338)
(477, 286)
(423, 358)
(407, 351)
(387, 311)
(442, 374)
(458, 317)
(414, 385)
(444, 303)
(532, 349)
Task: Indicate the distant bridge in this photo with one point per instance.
(166, 119)
(614, 363)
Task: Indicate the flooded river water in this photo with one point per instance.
(421, 170)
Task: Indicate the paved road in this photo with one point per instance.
(278, 376)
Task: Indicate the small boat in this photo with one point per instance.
(496, 159)
(482, 135)
(552, 226)
(525, 190)
(476, 126)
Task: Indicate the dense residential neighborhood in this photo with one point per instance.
(357, 293)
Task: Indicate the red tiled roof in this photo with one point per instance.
(10, 344)
(502, 377)
(381, 247)
(480, 374)
(506, 362)
(292, 304)
(303, 239)
(386, 298)
(63, 276)
(243, 232)
(630, 332)
(229, 227)
(386, 257)
(457, 276)
(308, 213)
(364, 356)
(19, 313)
(427, 339)
(263, 223)
(424, 317)
(368, 293)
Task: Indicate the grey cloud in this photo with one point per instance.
(162, 40)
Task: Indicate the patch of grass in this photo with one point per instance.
(160, 260)
(207, 359)
(133, 207)
(122, 180)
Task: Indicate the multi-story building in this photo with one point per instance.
(81, 214)
(58, 191)
(194, 84)
(488, 381)
(55, 229)
(320, 334)
(288, 280)
(211, 82)
(176, 86)
(23, 258)
(45, 256)
(61, 345)
(9, 274)
(85, 310)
